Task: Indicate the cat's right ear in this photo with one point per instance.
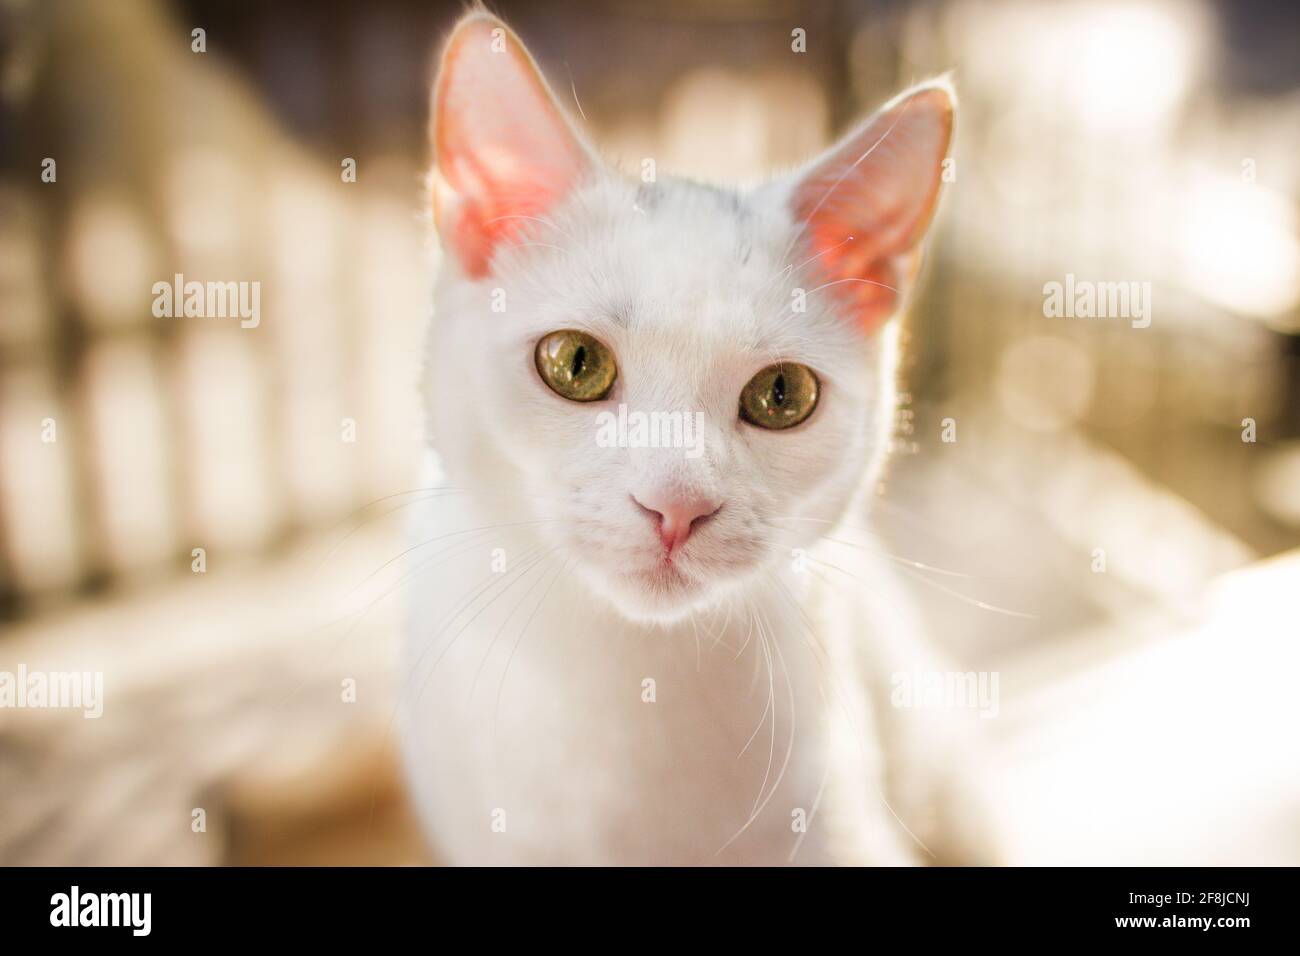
(865, 205)
(504, 151)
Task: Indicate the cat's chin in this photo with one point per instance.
(659, 595)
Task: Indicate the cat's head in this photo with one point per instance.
(587, 322)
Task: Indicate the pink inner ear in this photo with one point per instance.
(505, 153)
(866, 205)
(495, 211)
(866, 283)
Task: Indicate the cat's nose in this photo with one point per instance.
(676, 516)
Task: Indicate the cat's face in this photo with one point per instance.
(685, 384)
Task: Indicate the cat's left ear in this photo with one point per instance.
(504, 151)
(866, 203)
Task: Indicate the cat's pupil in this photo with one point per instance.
(778, 390)
(579, 359)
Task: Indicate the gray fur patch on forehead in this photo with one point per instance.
(648, 196)
(689, 193)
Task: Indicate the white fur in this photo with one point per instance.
(523, 690)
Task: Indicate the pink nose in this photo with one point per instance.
(676, 517)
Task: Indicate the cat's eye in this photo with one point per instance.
(576, 366)
(780, 396)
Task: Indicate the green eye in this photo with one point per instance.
(780, 396)
(576, 366)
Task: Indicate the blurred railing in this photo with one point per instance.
(129, 439)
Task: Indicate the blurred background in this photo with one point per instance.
(204, 512)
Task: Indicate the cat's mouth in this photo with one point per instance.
(665, 577)
(664, 590)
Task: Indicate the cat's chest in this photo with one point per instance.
(575, 733)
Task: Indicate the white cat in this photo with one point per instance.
(643, 654)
